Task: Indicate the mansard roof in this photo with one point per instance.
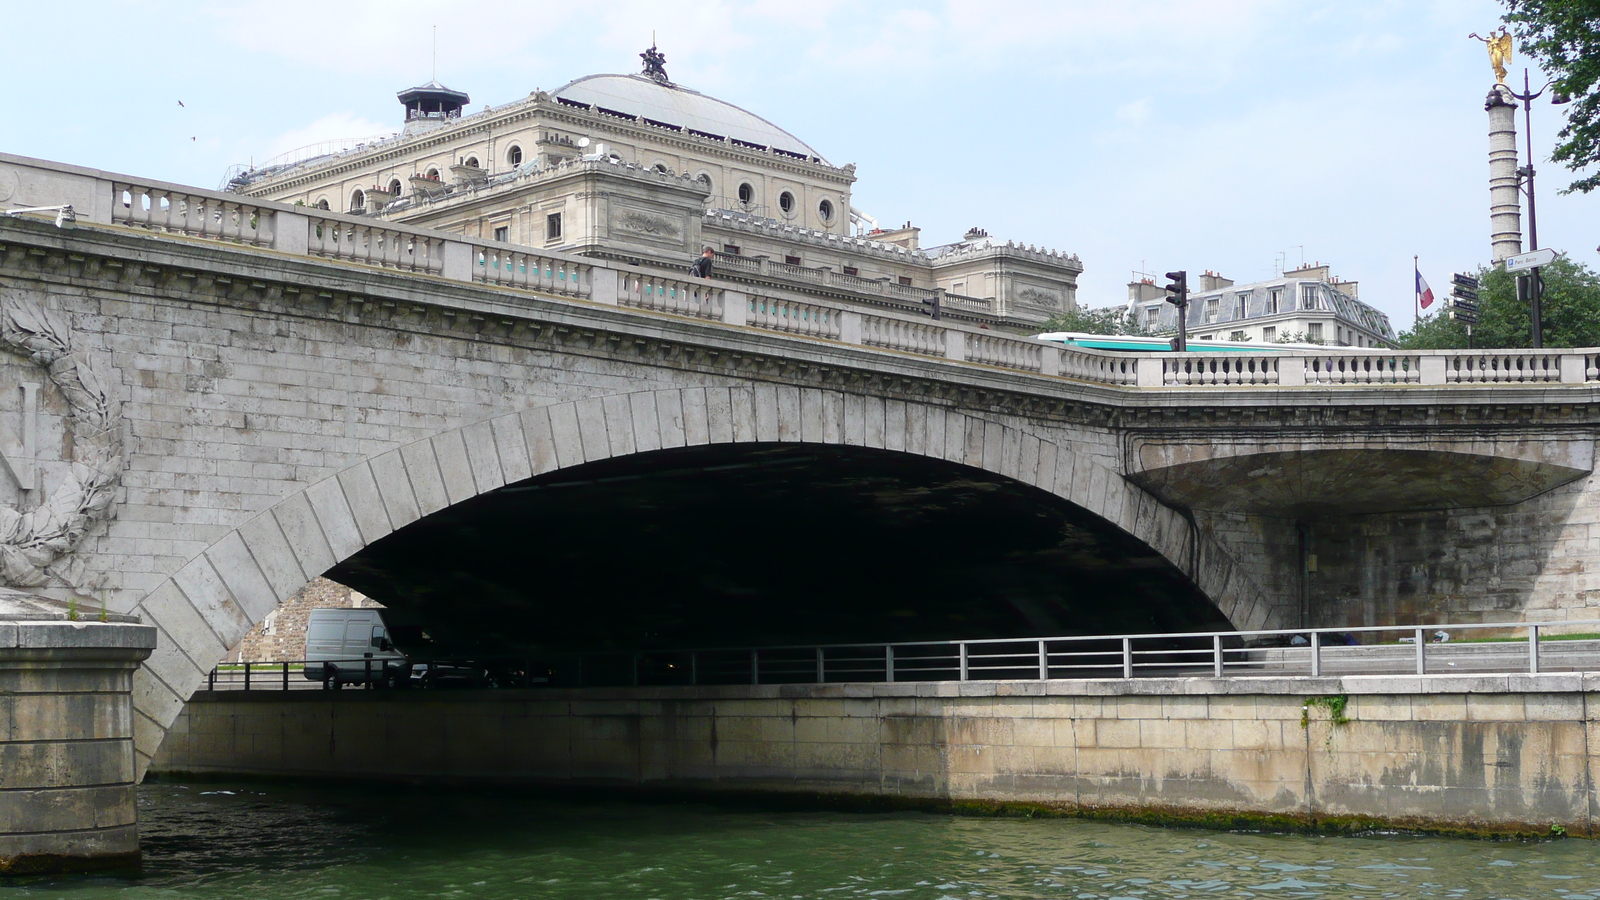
(679, 107)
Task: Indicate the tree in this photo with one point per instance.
(1563, 37)
(1111, 320)
(1571, 313)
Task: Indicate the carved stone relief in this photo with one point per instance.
(635, 222)
(1039, 297)
(60, 445)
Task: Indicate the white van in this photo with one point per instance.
(352, 646)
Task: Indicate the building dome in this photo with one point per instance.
(678, 107)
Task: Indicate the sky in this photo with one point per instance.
(1143, 135)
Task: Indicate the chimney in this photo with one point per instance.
(1211, 281)
(1144, 289)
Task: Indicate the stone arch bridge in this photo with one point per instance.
(210, 402)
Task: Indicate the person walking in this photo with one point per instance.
(702, 266)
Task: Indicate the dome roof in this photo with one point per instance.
(668, 104)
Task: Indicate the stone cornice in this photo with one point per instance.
(486, 122)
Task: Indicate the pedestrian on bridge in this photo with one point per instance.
(701, 268)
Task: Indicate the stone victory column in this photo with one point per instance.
(1505, 204)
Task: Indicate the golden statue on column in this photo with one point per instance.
(1499, 44)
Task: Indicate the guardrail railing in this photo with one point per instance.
(143, 204)
(1375, 650)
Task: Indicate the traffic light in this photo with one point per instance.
(1178, 290)
(1464, 298)
(1178, 295)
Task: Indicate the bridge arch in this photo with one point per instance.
(215, 598)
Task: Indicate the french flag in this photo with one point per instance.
(1424, 293)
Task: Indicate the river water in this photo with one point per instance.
(285, 841)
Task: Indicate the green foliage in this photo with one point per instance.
(72, 609)
(1111, 320)
(1335, 705)
(1563, 37)
(1571, 313)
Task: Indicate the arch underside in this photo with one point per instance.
(209, 604)
(748, 545)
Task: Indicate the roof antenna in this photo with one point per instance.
(435, 53)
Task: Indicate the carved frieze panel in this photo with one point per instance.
(648, 226)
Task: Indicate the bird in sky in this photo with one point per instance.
(180, 103)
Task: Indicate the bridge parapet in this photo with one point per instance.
(118, 200)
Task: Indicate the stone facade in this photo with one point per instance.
(281, 636)
(642, 170)
(1306, 304)
(1485, 754)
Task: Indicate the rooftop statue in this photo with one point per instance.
(1499, 44)
(655, 65)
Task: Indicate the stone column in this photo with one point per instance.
(66, 735)
(1505, 200)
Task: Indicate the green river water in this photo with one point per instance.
(343, 843)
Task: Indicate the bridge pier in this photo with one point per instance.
(66, 736)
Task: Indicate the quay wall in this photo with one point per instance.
(1483, 754)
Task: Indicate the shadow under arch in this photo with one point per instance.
(214, 599)
(764, 544)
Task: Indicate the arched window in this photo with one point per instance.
(825, 210)
(394, 186)
(472, 161)
(358, 200)
(514, 155)
(661, 169)
(786, 203)
(747, 193)
(323, 203)
(433, 174)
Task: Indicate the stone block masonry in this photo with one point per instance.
(1483, 754)
(67, 768)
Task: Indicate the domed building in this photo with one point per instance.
(637, 169)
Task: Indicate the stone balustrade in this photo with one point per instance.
(114, 200)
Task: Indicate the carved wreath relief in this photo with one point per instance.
(60, 444)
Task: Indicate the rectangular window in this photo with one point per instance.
(1213, 306)
(1152, 315)
(905, 280)
(1240, 308)
(852, 270)
(1308, 296)
(730, 249)
(1237, 336)
(1274, 297)
(502, 233)
(552, 226)
(791, 260)
(1269, 334)
(1206, 337)
(1314, 331)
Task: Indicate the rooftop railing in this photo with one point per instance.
(191, 213)
(1412, 650)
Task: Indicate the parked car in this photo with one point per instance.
(352, 646)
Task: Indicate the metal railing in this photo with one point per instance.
(1374, 650)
